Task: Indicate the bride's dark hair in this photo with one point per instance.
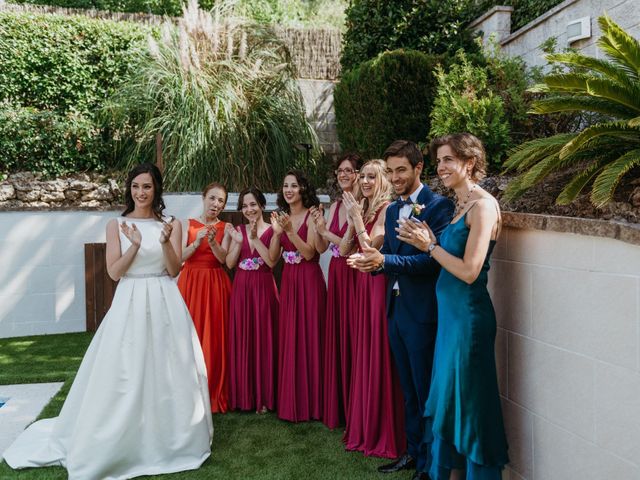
(157, 205)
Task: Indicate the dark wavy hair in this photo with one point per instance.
(404, 148)
(307, 192)
(158, 205)
(257, 194)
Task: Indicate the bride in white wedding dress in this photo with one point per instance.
(139, 404)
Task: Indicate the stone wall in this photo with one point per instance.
(318, 102)
(568, 348)
(26, 191)
(526, 41)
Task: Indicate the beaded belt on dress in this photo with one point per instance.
(164, 273)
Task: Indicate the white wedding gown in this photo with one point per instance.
(139, 404)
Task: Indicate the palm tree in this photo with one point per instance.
(605, 151)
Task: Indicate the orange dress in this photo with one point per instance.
(206, 290)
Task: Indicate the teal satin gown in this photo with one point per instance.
(463, 407)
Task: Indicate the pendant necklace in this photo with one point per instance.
(460, 206)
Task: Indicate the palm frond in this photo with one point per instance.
(531, 152)
(577, 183)
(567, 82)
(605, 184)
(619, 129)
(623, 48)
(629, 97)
(572, 103)
(604, 67)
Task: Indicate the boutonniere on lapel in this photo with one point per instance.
(416, 209)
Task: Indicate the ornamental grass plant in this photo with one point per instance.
(222, 93)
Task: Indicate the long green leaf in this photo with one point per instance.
(605, 184)
(577, 183)
(573, 103)
(619, 129)
(629, 97)
(606, 68)
(619, 45)
(529, 153)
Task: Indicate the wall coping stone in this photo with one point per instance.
(625, 232)
(490, 12)
(534, 23)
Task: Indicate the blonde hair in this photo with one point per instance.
(381, 193)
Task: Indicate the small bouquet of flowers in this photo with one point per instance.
(335, 250)
(251, 263)
(416, 209)
(292, 258)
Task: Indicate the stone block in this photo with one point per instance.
(561, 455)
(617, 413)
(52, 196)
(576, 310)
(553, 383)
(7, 192)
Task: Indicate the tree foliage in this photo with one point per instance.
(429, 26)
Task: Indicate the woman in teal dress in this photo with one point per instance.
(463, 408)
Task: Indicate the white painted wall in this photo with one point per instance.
(568, 354)
(42, 264)
(526, 41)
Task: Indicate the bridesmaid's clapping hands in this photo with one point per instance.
(318, 219)
(234, 233)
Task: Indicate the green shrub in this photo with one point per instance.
(64, 64)
(466, 103)
(47, 142)
(429, 26)
(385, 99)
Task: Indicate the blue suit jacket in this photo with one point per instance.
(414, 270)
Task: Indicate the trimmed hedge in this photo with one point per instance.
(56, 72)
(385, 99)
(47, 142)
(429, 26)
(64, 64)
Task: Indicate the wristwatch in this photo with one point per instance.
(431, 247)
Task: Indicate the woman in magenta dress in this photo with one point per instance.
(336, 370)
(375, 424)
(302, 302)
(253, 310)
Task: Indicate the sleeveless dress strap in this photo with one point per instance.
(498, 222)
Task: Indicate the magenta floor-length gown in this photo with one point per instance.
(336, 372)
(303, 296)
(375, 424)
(253, 330)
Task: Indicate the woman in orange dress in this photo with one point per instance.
(206, 288)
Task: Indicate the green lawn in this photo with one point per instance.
(245, 445)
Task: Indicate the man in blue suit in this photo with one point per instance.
(411, 297)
